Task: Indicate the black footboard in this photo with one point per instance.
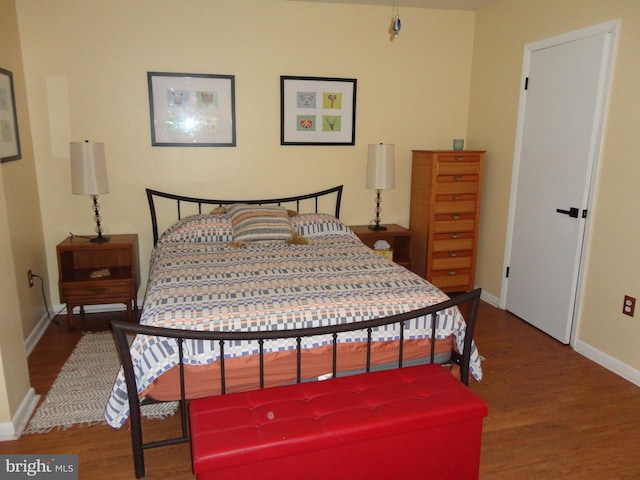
(467, 302)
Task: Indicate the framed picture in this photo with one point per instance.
(192, 110)
(9, 138)
(317, 111)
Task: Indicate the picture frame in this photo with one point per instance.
(317, 111)
(192, 109)
(9, 135)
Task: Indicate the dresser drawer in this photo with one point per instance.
(449, 242)
(451, 260)
(457, 185)
(458, 156)
(452, 279)
(453, 206)
(458, 165)
(454, 223)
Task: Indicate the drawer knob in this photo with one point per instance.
(453, 254)
(457, 178)
(454, 235)
(457, 197)
(451, 272)
(459, 159)
(96, 291)
(455, 217)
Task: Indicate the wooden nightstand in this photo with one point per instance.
(98, 273)
(398, 237)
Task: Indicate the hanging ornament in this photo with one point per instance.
(396, 24)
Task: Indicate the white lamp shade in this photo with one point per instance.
(381, 166)
(88, 168)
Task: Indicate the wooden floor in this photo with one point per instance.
(553, 414)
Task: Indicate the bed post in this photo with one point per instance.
(134, 402)
(154, 220)
(464, 360)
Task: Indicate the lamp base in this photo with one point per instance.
(99, 239)
(377, 228)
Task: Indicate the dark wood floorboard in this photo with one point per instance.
(553, 414)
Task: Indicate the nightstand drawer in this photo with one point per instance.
(91, 291)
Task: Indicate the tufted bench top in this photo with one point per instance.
(263, 424)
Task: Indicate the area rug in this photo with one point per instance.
(80, 393)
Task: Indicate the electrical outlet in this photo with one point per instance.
(30, 277)
(629, 305)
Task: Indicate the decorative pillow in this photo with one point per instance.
(203, 228)
(312, 225)
(258, 223)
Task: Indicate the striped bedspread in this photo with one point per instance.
(265, 286)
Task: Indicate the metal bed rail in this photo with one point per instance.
(467, 302)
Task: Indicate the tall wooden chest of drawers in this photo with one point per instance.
(445, 210)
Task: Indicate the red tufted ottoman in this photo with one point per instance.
(410, 423)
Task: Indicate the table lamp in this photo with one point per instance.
(380, 174)
(89, 177)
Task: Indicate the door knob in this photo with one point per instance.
(572, 212)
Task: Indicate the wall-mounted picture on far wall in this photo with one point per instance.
(9, 138)
(317, 111)
(192, 109)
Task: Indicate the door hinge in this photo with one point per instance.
(507, 275)
(526, 83)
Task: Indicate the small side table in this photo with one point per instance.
(98, 273)
(398, 237)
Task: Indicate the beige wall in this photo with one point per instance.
(21, 244)
(413, 92)
(613, 264)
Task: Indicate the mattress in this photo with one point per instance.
(200, 279)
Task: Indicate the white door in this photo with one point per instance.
(561, 121)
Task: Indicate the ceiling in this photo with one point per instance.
(443, 4)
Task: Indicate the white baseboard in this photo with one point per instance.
(607, 361)
(490, 299)
(36, 334)
(13, 429)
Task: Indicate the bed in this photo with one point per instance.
(246, 294)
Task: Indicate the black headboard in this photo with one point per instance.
(309, 203)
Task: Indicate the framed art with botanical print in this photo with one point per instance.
(317, 111)
(192, 109)
(9, 137)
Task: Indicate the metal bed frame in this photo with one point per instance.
(309, 203)
(468, 302)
